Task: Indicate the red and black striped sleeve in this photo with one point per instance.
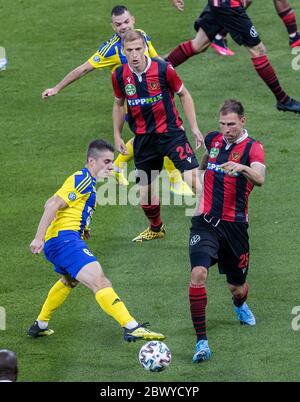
(116, 86)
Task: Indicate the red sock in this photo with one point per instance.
(239, 301)
(289, 19)
(153, 214)
(267, 74)
(198, 302)
(181, 53)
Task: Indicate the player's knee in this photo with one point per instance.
(258, 51)
(237, 290)
(145, 195)
(198, 46)
(262, 49)
(281, 2)
(73, 284)
(199, 275)
(69, 282)
(101, 283)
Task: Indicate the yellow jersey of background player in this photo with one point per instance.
(110, 53)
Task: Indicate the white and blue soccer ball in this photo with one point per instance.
(155, 356)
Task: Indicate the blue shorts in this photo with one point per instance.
(68, 253)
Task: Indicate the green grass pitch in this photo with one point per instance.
(43, 142)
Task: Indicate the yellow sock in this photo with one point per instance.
(56, 296)
(121, 159)
(174, 174)
(111, 304)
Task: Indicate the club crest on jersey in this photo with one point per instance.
(214, 152)
(235, 156)
(154, 85)
(72, 196)
(130, 89)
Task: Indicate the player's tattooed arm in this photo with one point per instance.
(254, 173)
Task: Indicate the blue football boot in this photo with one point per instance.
(244, 315)
(202, 352)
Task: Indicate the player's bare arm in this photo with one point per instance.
(179, 4)
(118, 122)
(189, 110)
(254, 173)
(204, 161)
(72, 76)
(51, 207)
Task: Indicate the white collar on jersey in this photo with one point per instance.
(139, 75)
(242, 138)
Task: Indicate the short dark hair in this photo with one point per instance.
(98, 146)
(232, 106)
(118, 10)
(8, 365)
(131, 35)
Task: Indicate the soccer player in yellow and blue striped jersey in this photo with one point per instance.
(110, 56)
(78, 192)
(61, 233)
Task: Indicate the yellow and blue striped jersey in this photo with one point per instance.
(110, 55)
(78, 191)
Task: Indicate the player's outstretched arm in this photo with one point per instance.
(179, 4)
(189, 110)
(51, 207)
(68, 79)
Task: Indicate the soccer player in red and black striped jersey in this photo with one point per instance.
(231, 15)
(288, 17)
(148, 85)
(234, 164)
(286, 14)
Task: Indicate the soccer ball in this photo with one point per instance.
(155, 356)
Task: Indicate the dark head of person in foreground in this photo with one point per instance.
(8, 366)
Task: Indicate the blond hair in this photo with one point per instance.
(131, 35)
